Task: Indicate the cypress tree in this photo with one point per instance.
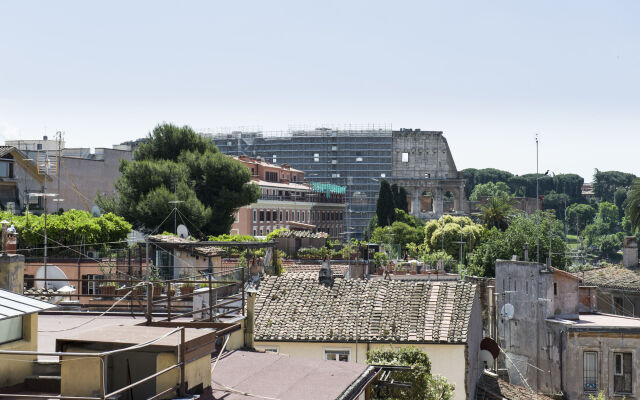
(402, 202)
(384, 205)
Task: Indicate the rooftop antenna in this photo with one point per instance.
(175, 203)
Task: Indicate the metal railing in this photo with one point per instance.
(103, 356)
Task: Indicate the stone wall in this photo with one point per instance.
(422, 163)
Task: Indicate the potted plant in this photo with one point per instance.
(187, 288)
(108, 289)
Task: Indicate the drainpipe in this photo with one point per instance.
(249, 320)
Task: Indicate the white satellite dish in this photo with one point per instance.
(95, 211)
(53, 272)
(507, 311)
(182, 231)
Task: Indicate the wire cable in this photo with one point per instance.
(97, 316)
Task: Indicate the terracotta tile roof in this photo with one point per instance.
(338, 269)
(303, 234)
(295, 307)
(612, 277)
(490, 387)
(207, 251)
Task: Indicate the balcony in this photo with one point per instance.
(312, 197)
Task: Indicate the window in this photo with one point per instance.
(295, 177)
(298, 216)
(622, 373)
(590, 371)
(303, 213)
(286, 214)
(316, 157)
(274, 213)
(6, 169)
(555, 288)
(261, 231)
(268, 215)
(618, 305)
(337, 355)
(89, 285)
(271, 176)
(261, 215)
(280, 216)
(268, 231)
(11, 329)
(39, 146)
(274, 158)
(358, 159)
(255, 215)
(255, 231)
(252, 171)
(405, 157)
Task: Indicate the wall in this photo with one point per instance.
(82, 178)
(605, 344)
(197, 372)
(80, 375)
(12, 272)
(446, 359)
(606, 302)
(12, 372)
(521, 284)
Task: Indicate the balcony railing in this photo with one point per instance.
(308, 198)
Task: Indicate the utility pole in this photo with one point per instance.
(537, 207)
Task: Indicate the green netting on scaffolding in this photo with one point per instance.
(328, 188)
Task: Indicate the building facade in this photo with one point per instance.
(288, 201)
(297, 315)
(555, 343)
(359, 159)
(355, 158)
(76, 175)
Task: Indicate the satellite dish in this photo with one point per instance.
(182, 231)
(95, 211)
(53, 272)
(491, 346)
(486, 359)
(507, 311)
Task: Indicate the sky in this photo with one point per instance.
(489, 74)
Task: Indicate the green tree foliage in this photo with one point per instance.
(609, 214)
(619, 197)
(632, 206)
(498, 212)
(70, 227)
(579, 216)
(381, 234)
(424, 386)
(404, 234)
(402, 202)
(605, 183)
(556, 202)
(490, 189)
(525, 185)
(571, 185)
(210, 186)
(434, 231)
(475, 177)
(385, 207)
(496, 244)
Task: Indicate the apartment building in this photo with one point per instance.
(288, 201)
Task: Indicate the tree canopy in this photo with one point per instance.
(424, 386)
(385, 206)
(490, 189)
(632, 205)
(177, 163)
(605, 183)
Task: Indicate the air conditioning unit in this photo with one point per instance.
(92, 254)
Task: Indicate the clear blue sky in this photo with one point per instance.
(490, 74)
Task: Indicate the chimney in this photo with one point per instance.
(11, 265)
(526, 251)
(630, 252)
(250, 319)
